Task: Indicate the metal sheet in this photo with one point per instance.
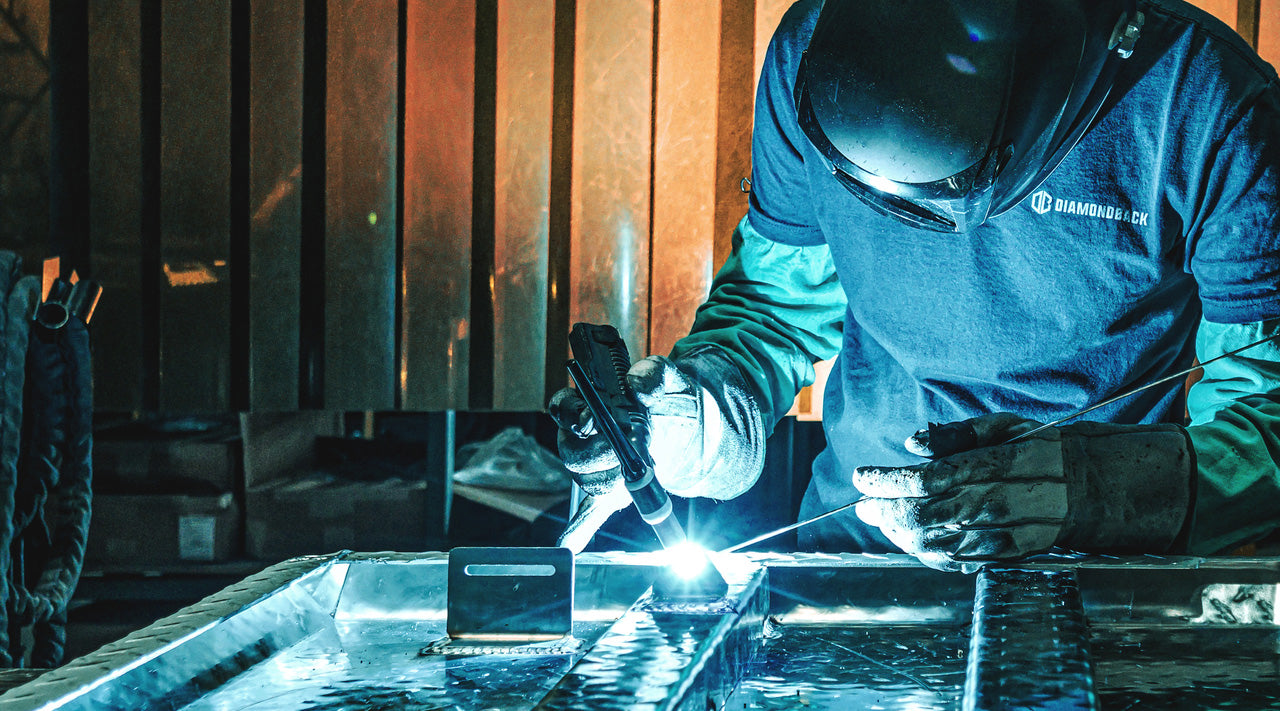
(522, 185)
(195, 205)
(360, 204)
(734, 114)
(684, 166)
(612, 150)
(845, 631)
(439, 135)
(1269, 31)
(275, 207)
(115, 201)
(1032, 621)
(1224, 10)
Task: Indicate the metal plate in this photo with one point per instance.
(510, 594)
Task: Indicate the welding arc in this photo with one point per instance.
(1024, 435)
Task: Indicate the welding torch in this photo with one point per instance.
(599, 371)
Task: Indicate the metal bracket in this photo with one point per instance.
(510, 595)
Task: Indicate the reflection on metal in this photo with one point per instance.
(522, 200)
(435, 276)
(1031, 621)
(612, 151)
(195, 202)
(811, 631)
(275, 203)
(360, 177)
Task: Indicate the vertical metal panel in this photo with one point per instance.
(1224, 10)
(768, 14)
(1247, 21)
(360, 202)
(559, 274)
(195, 156)
(439, 137)
(1269, 31)
(733, 127)
(526, 45)
(613, 75)
(25, 125)
(275, 178)
(684, 165)
(115, 199)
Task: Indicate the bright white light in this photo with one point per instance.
(687, 560)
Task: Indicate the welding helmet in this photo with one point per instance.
(943, 113)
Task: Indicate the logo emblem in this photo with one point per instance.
(1041, 202)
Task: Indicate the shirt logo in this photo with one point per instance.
(1042, 202)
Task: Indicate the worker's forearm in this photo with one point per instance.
(774, 310)
(1235, 432)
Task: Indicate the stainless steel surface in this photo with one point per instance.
(275, 201)
(522, 200)
(1032, 621)
(811, 631)
(360, 263)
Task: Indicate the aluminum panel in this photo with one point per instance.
(115, 201)
(839, 631)
(733, 121)
(195, 205)
(522, 185)
(275, 206)
(360, 204)
(439, 137)
(684, 166)
(612, 150)
(1269, 31)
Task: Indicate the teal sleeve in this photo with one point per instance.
(1235, 431)
(774, 310)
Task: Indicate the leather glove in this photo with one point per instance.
(1088, 486)
(706, 437)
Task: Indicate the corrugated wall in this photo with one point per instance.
(405, 204)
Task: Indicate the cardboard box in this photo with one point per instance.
(138, 459)
(320, 514)
(144, 531)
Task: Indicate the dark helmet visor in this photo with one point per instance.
(951, 111)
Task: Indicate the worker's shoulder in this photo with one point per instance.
(1208, 31)
(797, 23)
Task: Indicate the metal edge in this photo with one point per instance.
(79, 683)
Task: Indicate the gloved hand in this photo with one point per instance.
(706, 437)
(1088, 486)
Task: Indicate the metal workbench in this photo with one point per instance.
(354, 631)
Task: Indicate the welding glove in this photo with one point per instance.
(706, 437)
(1088, 487)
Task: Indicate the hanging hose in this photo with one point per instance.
(53, 498)
(17, 301)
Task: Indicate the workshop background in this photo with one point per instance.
(342, 245)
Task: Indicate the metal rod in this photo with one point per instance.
(1135, 391)
(1024, 435)
(793, 526)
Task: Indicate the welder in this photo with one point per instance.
(992, 213)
